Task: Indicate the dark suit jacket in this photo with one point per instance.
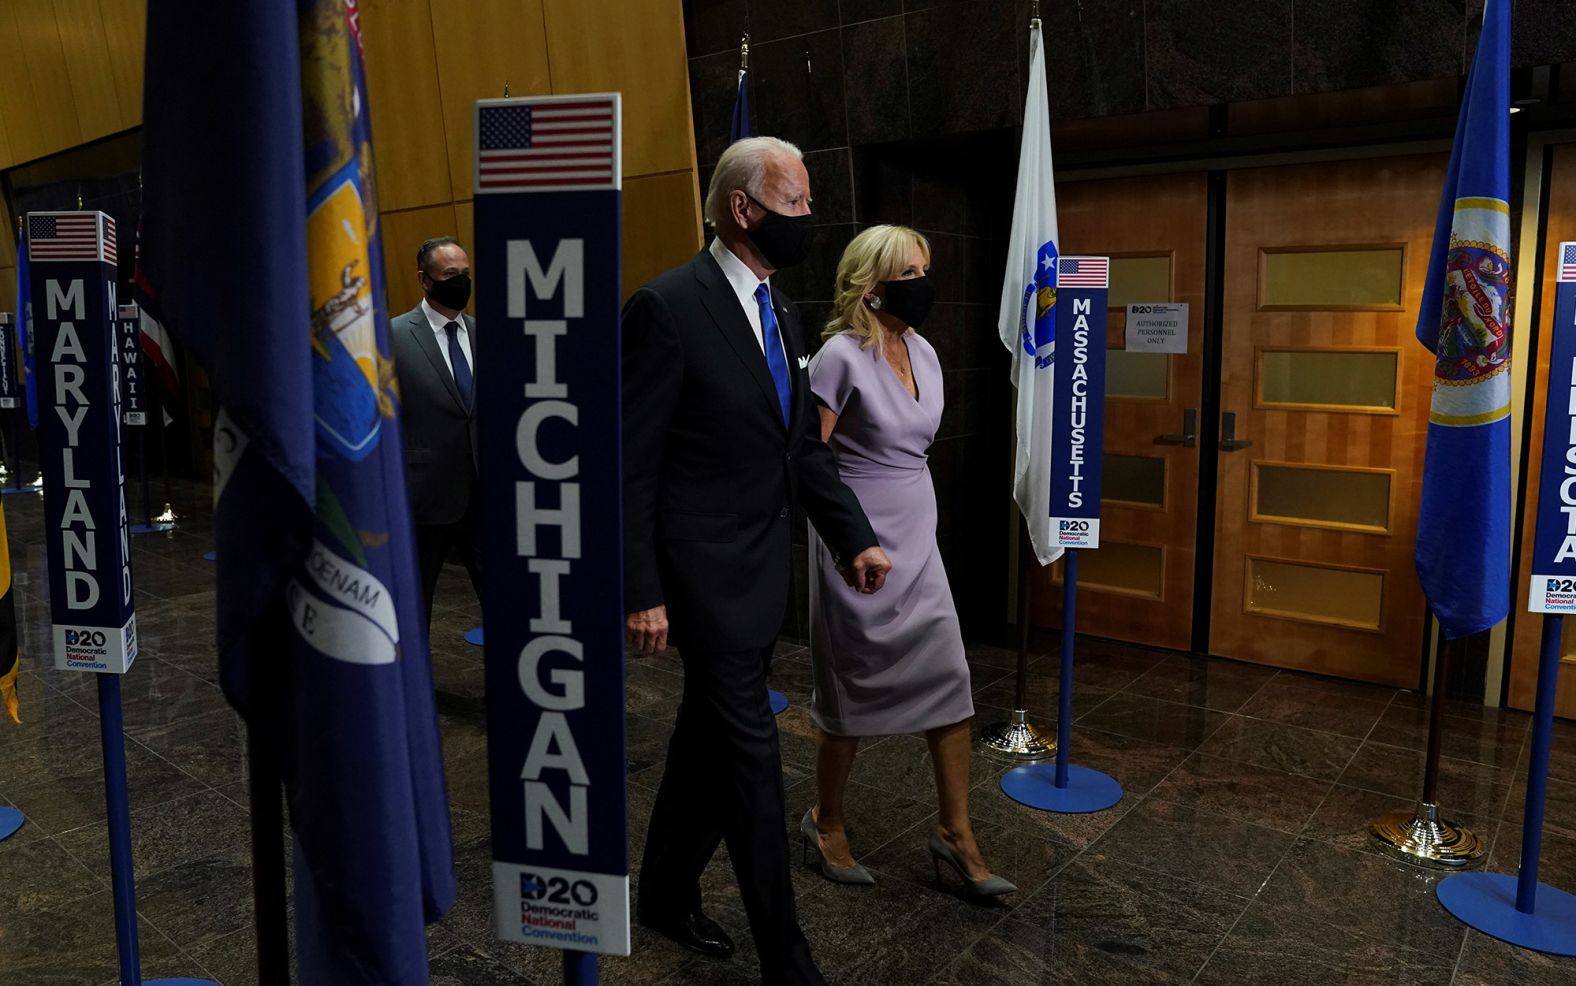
(440, 432)
(711, 475)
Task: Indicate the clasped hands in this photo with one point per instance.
(647, 630)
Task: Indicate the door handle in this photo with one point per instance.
(1189, 436)
(1229, 442)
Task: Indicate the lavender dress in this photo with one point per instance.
(891, 662)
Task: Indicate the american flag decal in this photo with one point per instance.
(74, 236)
(1083, 272)
(1567, 261)
(548, 144)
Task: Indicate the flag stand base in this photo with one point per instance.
(166, 517)
(1015, 740)
(10, 821)
(1421, 836)
(475, 637)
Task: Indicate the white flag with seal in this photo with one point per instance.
(1028, 298)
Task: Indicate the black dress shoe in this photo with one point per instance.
(692, 929)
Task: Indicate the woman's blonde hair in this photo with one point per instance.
(877, 254)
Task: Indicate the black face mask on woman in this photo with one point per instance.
(453, 292)
(784, 241)
(908, 300)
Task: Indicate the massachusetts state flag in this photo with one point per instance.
(260, 253)
(1027, 321)
(1463, 526)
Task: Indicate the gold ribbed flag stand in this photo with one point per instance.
(1422, 835)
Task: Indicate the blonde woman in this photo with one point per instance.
(891, 663)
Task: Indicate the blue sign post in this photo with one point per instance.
(72, 257)
(10, 390)
(1078, 431)
(134, 406)
(1519, 909)
(10, 383)
(548, 385)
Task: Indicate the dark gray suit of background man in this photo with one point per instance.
(434, 355)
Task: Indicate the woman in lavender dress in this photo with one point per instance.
(892, 662)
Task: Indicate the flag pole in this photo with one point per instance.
(167, 518)
(268, 864)
(1016, 739)
(1422, 835)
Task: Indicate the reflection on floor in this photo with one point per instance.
(1237, 856)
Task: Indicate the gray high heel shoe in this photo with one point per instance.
(991, 886)
(854, 875)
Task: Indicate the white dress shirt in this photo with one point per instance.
(437, 321)
(744, 282)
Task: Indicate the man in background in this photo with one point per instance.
(434, 355)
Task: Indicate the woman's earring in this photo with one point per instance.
(873, 302)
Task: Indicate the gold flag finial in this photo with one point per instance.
(1034, 10)
(79, 198)
(744, 52)
(506, 89)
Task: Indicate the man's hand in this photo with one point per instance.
(648, 630)
(867, 573)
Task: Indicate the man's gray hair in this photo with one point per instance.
(743, 166)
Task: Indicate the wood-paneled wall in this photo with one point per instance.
(74, 75)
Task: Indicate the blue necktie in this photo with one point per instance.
(776, 361)
(462, 367)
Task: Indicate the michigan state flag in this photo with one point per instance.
(260, 253)
(1463, 525)
(8, 635)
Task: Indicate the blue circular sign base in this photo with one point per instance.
(210, 556)
(1487, 902)
(179, 982)
(10, 821)
(150, 528)
(779, 701)
(474, 636)
(1087, 789)
(19, 489)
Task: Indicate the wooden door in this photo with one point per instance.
(1139, 585)
(1316, 518)
(1529, 627)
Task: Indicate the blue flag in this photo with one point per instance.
(24, 332)
(740, 127)
(1463, 526)
(260, 252)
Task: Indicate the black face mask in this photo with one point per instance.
(784, 241)
(908, 300)
(452, 293)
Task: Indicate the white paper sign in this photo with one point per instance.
(1157, 327)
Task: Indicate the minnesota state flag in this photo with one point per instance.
(1463, 526)
(8, 648)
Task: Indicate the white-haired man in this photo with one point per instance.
(721, 441)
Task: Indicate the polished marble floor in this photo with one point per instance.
(1238, 854)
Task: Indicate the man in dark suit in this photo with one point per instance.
(721, 441)
(434, 354)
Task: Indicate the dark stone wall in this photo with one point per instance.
(889, 69)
